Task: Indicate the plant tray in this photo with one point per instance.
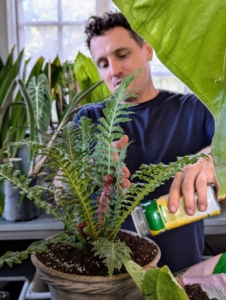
(38, 289)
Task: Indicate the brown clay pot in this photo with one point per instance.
(69, 287)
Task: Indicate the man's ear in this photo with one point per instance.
(149, 50)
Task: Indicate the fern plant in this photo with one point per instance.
(90, 201)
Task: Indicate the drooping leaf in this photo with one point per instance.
(160, 284)
(189, 37)
(136, 272)
(149, 283)
(168, 287)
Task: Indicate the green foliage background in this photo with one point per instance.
(86, 74)
(189, 38)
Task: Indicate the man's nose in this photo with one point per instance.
(115, 68)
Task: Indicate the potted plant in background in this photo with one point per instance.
(72, 88)
(38, 118)
(91, 204)
(8, 73)
(30, 111)
(16, 113)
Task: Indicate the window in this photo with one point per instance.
(56, 27)
(53, 27)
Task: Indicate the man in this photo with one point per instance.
(165, 125)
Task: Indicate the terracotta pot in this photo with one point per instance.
(68, 287)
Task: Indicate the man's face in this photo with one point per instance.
(117, 55)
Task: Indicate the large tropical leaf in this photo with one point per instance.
(87, 74)
(189, 37)
(55, 71)
(38, 90)
(68, 114)
(19, 114)
(8, 74)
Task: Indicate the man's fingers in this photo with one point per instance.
(121, 143)
(125, 183)
(201, 189)
(188, 188)
(175, 192)
(126, 172)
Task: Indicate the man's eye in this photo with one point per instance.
(123, 55)
(103, 65)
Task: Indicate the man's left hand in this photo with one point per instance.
(194, 177)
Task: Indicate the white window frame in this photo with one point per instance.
(16, 35)
(16, 6)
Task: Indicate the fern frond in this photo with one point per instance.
(112, 253)
(109, 130)
(152, 176)
(38, 247)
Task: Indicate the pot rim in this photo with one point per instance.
(84, 278)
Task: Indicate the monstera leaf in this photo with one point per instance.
(189, 38)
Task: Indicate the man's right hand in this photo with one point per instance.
(119, 145)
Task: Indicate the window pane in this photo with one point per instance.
(78, 10)
(39, 10)
(74, 41)
(163, 78)
(40, 41)
(169, 83)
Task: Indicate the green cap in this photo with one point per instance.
(152, 214)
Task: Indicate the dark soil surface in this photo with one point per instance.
(71, 260)
(195, 292)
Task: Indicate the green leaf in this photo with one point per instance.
(168, 287)
(72, 108)
(189, 37)
(113, 254)
(37, 69)
(136, 272)
(86, 74)
(150, 283)
(9, 131)
(38, 90)
(30, 109)
(160, 284)
(56, 70)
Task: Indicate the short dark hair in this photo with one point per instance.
(99, 25)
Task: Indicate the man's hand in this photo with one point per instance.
(119, 145)
(194, 177)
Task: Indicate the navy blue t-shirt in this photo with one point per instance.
(168, 126)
